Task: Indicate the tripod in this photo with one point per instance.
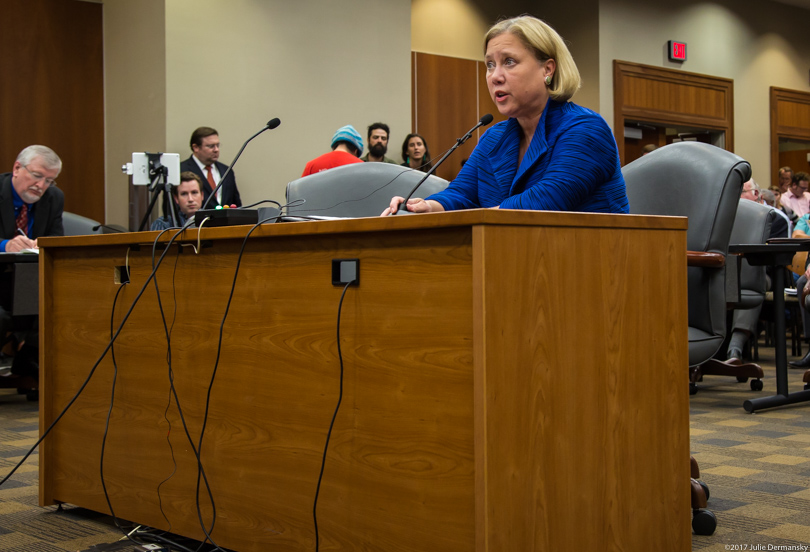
(159, 172)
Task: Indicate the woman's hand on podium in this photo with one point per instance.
(415, 205)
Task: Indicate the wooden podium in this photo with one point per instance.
(514, 382)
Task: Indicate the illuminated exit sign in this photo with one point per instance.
(677, 50)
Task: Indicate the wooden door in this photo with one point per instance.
(53, 92)
(449, 96)
(664, 97)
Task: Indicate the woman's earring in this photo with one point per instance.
(548, 80)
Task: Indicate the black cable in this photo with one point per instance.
(169, 402)
(107, 422)
(219, 353)
(174, 461)
(95, 366)
(109, 346)
(276, 203)
(173, 390)
(198, 449)
(332, 423)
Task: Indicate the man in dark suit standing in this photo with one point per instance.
(30, 206)
(204, 163)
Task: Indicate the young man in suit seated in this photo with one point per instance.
(188, 197)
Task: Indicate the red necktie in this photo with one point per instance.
(211, 180)
(22, 219)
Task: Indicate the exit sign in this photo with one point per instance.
(677, 50)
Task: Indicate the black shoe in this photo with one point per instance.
(26, 361)
(803, 363)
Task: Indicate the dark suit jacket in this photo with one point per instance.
(779, 227)
(230, 194)
(47, 212)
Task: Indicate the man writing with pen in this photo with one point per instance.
(30, 203)
(30, 206)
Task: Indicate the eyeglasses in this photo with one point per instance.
(752, 190)
(48, 182)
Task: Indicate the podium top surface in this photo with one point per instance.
(472, 217)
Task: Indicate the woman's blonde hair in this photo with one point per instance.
(546, 44)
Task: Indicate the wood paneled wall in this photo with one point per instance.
(666, 96)
(795, 159)
(53, 92)
(790, 118)
(449, 96)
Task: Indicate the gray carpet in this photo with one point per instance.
(757, 465)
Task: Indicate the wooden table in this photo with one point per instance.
(514, 381)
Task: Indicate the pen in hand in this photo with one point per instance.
(26, 243)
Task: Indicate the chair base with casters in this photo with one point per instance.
(704, 521)
(714, 367)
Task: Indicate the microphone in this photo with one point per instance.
(271, 124)
(483, 121)
(220, 217)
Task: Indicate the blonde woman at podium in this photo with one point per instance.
(550, 154)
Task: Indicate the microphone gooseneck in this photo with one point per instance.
(271, 124)
(483, 121)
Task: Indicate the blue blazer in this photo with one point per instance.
(572, 164)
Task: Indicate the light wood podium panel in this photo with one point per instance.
(513, 381)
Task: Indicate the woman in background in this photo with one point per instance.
(415, 153)
(551, 154)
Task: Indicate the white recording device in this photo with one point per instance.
(145, 166)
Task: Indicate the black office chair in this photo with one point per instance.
(703, 183)
(752, 225)
(356, 190)
(77, 225)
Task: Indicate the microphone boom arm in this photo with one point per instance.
(485, 120)
(273, 123)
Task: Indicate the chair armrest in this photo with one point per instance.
(704, 259)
